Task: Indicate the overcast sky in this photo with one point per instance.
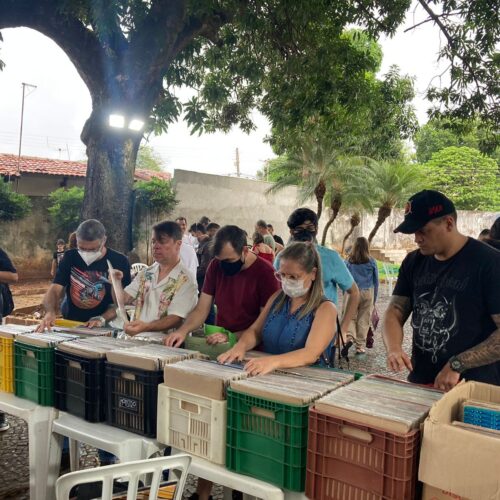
(56, 111)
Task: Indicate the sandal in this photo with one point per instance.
(360, 351)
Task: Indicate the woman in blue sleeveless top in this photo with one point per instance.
(298, 323)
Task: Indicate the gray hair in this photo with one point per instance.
(90, 230)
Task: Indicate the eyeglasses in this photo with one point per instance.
(304, 227)
(281, 277)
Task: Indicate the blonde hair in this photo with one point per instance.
(306, 255)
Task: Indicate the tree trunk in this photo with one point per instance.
(110, 177)
(319, 192)
(335, 206)
(383, 212)
(355, 221)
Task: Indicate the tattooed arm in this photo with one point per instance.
(395, 317)
(486, 352)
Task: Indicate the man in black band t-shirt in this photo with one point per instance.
(83, 272)
(451, 286)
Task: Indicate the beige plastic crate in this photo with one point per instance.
(192, 423)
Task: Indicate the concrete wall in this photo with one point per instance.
(232, 200)
(29, 241)
(469, 223)
(226, 200)
(43, 185)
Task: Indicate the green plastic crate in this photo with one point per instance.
(267, 440)
(34, 373)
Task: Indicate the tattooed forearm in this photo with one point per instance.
(402, 306)
(486, 352)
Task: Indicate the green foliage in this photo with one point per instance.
(371, 118)
(149, 159)
(438, 134)
(13, 205)
(65, 207)
(390, 184)
(470, 44)
(467, 176)
(274, 169)
(156, 196)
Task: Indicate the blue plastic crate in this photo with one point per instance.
(482, 417)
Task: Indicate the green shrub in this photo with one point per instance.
(13, 205)
(65, 208)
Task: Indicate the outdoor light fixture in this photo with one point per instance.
(136, 124)
(117, 121)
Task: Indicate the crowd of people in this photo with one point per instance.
(282, 298)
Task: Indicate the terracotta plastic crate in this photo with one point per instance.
(347, 460)
(192, 423)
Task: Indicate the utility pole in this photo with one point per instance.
(237, 162)
(31, 88)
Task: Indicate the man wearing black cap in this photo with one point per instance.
(451, 285)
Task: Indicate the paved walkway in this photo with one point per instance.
(14, 474)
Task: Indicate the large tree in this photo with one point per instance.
(438, 134)
(470, 178)
(235, 54)
(132, 54)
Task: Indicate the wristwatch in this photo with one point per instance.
(456, 365)
(99, 318)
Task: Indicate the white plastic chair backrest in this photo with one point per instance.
(130, 470)
(388, 271)
(137, 267)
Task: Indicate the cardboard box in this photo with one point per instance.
(457, 460)
(431, 493)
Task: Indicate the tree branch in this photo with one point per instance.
(451, 41)
(78, 42)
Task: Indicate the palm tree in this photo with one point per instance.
(391, 184)
(349, 189)
(355, 221)
(322, 171)
(314, 168)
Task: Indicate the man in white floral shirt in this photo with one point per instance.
(164, 293)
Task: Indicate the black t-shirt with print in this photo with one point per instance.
(87, 288)
(58, 256)
(452, 303)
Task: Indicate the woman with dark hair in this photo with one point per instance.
(365, 273)
(298, 323)
(261, 249)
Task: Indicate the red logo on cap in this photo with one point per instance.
(435, 209)
(408, 208)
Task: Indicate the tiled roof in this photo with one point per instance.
(62, 168)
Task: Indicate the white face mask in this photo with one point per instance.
(294, 288)
(90, 257)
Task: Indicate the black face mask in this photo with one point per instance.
(231, 268)
(303, 235)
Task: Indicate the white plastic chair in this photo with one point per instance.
(390, 277)
(131, 471)
(137, 268)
